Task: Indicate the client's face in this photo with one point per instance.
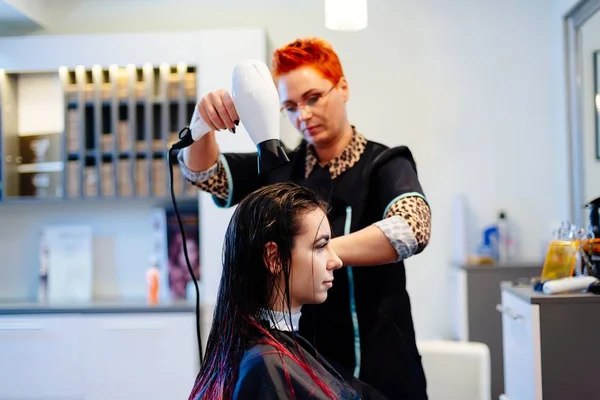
(313, 261)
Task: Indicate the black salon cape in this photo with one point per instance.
(262, 374)
(389, 359)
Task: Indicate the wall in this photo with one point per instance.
(470, 85)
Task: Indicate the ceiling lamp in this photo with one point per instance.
(346, 15)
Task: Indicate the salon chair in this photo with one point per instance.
(456, 370)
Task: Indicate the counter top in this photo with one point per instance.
(95, 307)
(531, 296)
(485, 268)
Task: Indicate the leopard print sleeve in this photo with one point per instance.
(213, 180)
(416, 212)
(407, 225)
(217, 184)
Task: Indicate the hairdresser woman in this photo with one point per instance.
(378, 212)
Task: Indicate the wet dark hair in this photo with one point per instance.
(270, 214)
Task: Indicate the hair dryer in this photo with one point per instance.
(257, 103)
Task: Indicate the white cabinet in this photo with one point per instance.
(140, 356)
(521, 342)
(40, 357)
(550, 344)
(98, 356)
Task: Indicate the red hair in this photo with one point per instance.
(311, 52)
(219, 383)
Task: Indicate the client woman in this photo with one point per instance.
(276, 258)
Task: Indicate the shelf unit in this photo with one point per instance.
(100, 132)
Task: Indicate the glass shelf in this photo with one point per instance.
(100, 132)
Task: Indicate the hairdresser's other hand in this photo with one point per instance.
(218, 111)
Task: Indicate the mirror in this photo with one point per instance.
(582, 38)
(596, 110)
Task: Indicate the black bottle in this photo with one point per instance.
(592, 247)
(594, 207)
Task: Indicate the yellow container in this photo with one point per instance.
(560, 259)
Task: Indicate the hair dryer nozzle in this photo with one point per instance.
(270, 155)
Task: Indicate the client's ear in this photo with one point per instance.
(271, 258)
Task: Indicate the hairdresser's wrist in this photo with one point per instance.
(369, 246)
(202, 154)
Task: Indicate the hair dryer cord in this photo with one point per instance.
(185, 251)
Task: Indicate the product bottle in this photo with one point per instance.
(44, 261)
(152, 279)
(503, 239)
(489, 247)
(591, 247)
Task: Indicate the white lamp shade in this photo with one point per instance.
(346, 15)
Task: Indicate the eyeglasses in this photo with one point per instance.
(308, 103)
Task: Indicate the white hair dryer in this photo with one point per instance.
(257, 103)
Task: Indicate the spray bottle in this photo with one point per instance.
(153, 281)
(503, 238)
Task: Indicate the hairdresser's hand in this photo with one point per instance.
(218, 111)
